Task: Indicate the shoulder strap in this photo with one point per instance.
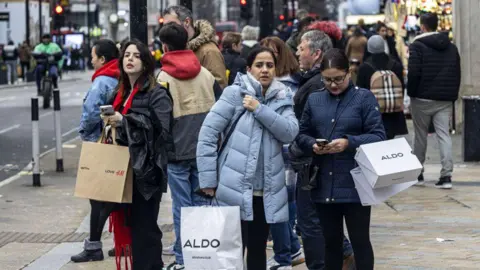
(371, 65)
(230, 132)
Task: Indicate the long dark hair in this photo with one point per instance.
(148, 62)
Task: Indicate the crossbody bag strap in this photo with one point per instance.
(230, 132)
(340, 114)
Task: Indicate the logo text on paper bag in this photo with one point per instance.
(203, 243)
(392, 156)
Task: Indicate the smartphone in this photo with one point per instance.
(321, 142)
(107, 110)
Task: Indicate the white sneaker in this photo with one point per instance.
(168, 250)
(298, 258)
(175, 266)
(274, 265)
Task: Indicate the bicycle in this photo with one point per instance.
(48, 60)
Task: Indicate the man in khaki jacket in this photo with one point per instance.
(194, 90)
(201, 36)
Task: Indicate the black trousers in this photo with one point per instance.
(254, 236)
(357, 219)
(98, 218)
(146, 235)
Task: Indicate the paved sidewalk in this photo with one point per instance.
(40, 228)
(71, 76)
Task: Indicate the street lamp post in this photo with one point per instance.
(27, 21)
(266, 18)
(139, 20)
(40, 26)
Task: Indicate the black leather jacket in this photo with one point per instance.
(146, 130)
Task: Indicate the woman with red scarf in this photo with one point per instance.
(143, 121)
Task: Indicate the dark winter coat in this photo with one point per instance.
(395, 123)
(358, 121)
(433, 68)
(146, 130)
(311, 81)
(235, 63)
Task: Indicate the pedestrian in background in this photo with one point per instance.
(104, 80)
(25, 55)
(10, 56)
(394, 122)
(250, 36)
(286, 245)
(201, 40)
(346, 117)
(232, 48)
(434, 76)
(249, 171)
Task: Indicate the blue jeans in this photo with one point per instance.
(183, 181)
(40, 71)
(285, 240)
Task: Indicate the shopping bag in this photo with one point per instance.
(373, 196)
(211, 238)
(387, 163)
(104, 173)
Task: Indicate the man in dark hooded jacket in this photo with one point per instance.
(433, 85)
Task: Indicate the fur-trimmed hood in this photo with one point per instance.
(204, 33)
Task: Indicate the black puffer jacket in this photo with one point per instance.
(433, 68)
(235, 63)
(310, 82)
(146, 130)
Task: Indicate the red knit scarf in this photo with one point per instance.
(117, 103)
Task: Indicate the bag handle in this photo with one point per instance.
(108, 131)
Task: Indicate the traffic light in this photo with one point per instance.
(281, 17)
(160, 20)
(59, 17)
(59, 10)
(246, 9)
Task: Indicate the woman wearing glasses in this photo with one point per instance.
(346, 117)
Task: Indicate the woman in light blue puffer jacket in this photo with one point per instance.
(249, 171)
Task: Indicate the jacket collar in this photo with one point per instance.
(424, 35)
(204, 33)
(250, 86)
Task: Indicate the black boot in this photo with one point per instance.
(111, 253)
(92, 251)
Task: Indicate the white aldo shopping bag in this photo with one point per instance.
(373, 196)
(211, 238)
(387, 163)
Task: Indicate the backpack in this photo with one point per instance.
(387, 88)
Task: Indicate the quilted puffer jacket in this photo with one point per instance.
(233, 171)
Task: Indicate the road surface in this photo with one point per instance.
(16, 125)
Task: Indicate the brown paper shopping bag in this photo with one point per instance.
(104, 173)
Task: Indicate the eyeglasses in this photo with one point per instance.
(337, 80)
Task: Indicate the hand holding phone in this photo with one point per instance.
(107, 110)
(321, 142)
